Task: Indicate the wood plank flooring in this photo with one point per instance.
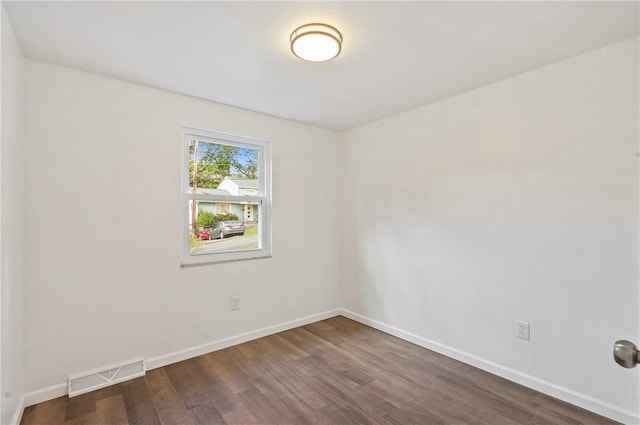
(331, 372)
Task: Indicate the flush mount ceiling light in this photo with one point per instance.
(316, 42)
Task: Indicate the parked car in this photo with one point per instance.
(203, 233)
(226, 228)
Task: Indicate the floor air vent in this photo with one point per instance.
(81, 383)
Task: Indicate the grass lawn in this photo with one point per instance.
(250, 229)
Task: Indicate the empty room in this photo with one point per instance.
(357, 212)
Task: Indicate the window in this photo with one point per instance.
(223, 208)
(226, 199)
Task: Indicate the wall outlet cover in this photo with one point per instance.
(522, 330)
(235, 302)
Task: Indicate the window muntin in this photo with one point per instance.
(225, 179)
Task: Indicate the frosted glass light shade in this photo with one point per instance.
(316, 42)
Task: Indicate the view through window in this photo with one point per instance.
(226, 196)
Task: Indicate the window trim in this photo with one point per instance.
(264, 197)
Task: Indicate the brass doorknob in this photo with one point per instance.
(625, 353)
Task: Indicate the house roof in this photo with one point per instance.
(209, 191)
(245, 183)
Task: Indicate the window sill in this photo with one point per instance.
(209, 261)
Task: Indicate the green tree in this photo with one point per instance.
(217, 161)
(245, 163)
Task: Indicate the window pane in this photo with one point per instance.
(224, 227)
(219, 169)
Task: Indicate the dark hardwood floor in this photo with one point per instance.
(331, 372)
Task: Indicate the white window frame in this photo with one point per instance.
(263, 198)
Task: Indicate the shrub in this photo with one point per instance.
(225, 217)
(207, 218)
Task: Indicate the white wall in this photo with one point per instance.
(103, 281)
(11, 224)
(518, 200)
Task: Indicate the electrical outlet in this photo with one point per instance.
(235, 302)
(522, 330)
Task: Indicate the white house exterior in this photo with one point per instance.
(232, 186)
(239, 186)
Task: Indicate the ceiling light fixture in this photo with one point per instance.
(316, 42)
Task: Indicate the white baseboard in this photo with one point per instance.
(17, 415)
(59, 390)
(45, 394)
(178, 356)
(581, 400)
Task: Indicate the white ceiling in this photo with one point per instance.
(396, 55)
